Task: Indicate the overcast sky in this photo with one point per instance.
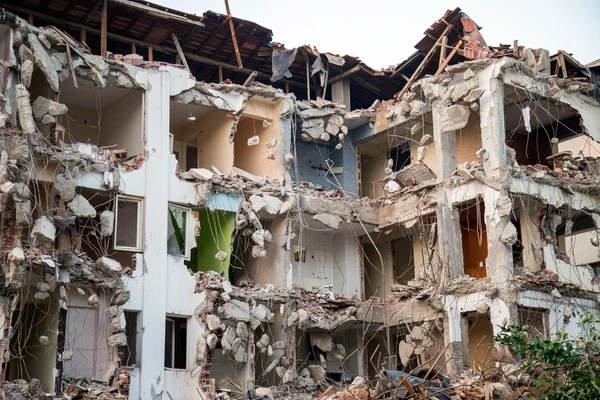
(384, 32)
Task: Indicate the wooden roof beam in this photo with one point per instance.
(156, 12)
(93, 11)
(212, 35)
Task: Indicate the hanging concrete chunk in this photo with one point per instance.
(330, 220)
(474, 95)
(258, 202)
(236, 310)
(509, 234)
(65, 188)
(107, 223)
(272, 204)
(81, 207)
(26, 72)
(43, 106)
(332, 129)
(201, 351)
(118, 339)
(405, 350)
(321, 340)
(43, 229)
(43, 61)
(416, 128)
(109, 265)
(454, 118)
(253, 141)
(426, 139)
(24, 108)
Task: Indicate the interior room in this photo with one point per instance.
(399, 144)
(112, 117)
(402, 252)
(480, 335)
(200, 137)
(535, 126)
(474, 238)
(324, 258)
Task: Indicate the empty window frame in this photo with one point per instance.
(175, 342)
(129, 352)
(128, 227)
(180, 231)
(536, 320)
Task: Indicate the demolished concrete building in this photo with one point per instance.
(176, 225)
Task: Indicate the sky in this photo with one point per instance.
(384, 32)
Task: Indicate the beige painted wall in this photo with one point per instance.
(585, 144)
(253, 159)
(123, 121)
(270, 269)
(372, 169)
(213, 140)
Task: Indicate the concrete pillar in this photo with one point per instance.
(499, 262)
(445, 144)
(340, 92)
(449, 243)
(453, 336)
(491, 112)
(155, 237)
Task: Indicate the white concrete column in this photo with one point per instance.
(445, 144)
(491, 113)
(449, 243)
(499, 261)
(155, 237)
(453, 335)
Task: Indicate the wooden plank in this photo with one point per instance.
(243, 43)
(447, 60)
(516, 49)
(235, 45)
(563, 66)
(86, 20)
(157, 12)
(326, 79)
(30, 19)
(220, 74)
(83, 36)
(150, 54)
(344, 74)
(307, 79)
(103, 28)
(421, 66)
(443, 50)
(133, 49)
(211, 36)
(180, 52)
(250, 79)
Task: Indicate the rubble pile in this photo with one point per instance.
(84, 388)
